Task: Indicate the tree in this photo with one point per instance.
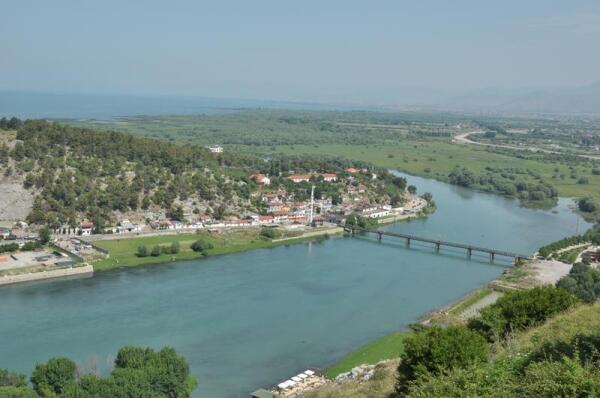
(412, 189)
(142, 251)
(583, 282)
(519, 310)
(44, 235)
(8, 378)
(176, 214)
(434, 350)
(155, 251)
(587, 205)
(268, 233)
(174, 248)
(53, 377)
(201, 246)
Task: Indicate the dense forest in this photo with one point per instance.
(82, 173)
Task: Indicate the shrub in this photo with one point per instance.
(434, 350)
(142, 251)
(268, 233)
(583, 282)
(53, 377)
(583, 181)
(520, 310)
(201, 246)
(587, 205)
(155, 251)
(174, 248)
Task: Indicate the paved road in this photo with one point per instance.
(463, 138)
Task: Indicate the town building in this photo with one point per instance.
(261, 179)
(299, 178)
(215, 148)
(86, 228)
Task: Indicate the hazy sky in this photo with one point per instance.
(298, 50)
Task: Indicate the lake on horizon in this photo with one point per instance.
(253, 319)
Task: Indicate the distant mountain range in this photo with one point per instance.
(571, 100)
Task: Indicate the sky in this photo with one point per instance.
(325, 50)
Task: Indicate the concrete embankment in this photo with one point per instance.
(43, 275)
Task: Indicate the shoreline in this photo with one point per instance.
(220, 251)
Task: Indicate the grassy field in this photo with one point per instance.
(390, 346)
(436, 158)
(123, 251)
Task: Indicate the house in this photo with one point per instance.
(280, 216)
(265, 219)
(261, 179)
(299, 178)
(215, 148)
(329, 177)
(86, 228)
(128, 226)
(4, 233)
(352, 170)
(376, 213)
(275, 206)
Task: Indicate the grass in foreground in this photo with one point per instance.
(581, 320)
(390, 346)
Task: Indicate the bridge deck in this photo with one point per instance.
(445, 243)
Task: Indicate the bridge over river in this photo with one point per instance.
(437, 244)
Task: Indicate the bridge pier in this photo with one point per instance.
(469, 252)
(379, 234)
(492, 255)
(407, 242)
(437, 247)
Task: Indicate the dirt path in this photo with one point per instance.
(473, 310)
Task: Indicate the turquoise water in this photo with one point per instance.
(252, 319)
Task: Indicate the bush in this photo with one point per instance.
(138, 372)
(583, 282)
(583, 181)
(434, 350)
(155, 251)
(142, 251)
(268, 233)
(8, 378)
(53, 377)
(201, 246)
(587, 205)
(520, 310)
(174, 248)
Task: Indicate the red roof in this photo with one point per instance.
(87, 224)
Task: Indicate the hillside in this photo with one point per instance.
(552, 338)
(59, 175)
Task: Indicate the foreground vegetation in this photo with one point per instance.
(138, 372)
(546, 354)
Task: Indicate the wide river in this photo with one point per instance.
(252, 319)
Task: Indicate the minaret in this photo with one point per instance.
(312, 204)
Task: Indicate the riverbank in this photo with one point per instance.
(122, 252)
(534, 273)
(84, 270)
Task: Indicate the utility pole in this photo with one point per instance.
(312, 204)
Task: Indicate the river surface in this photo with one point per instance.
(253, 319)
